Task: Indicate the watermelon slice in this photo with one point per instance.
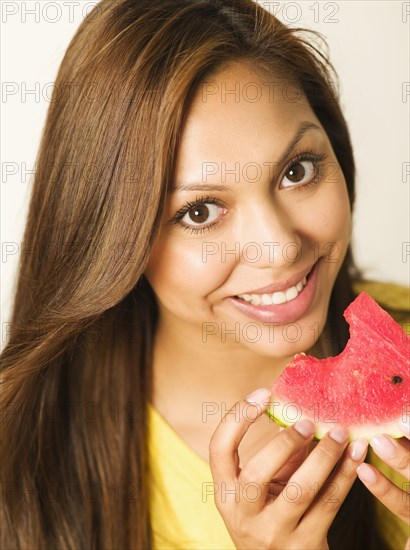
(366, 388)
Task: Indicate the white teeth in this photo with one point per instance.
(276, 298)
(256, 299)
(266, 299)
(291, 293)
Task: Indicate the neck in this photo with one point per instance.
(192, 372)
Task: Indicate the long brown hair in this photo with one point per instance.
(76, 371)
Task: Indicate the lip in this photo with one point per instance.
(282, 313)
(276, 287)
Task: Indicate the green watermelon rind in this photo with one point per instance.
(369, 323)
(355, 432)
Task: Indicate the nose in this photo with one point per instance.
(268, 236)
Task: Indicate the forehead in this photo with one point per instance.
(240, 115)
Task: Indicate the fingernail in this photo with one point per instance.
(305, 427)
(366, 473)
(383, 446)
(404, 426)
(338, 434)
(358, 449)
(259, 397)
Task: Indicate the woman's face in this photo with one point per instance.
(269, 204)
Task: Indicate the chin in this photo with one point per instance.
(275, 344)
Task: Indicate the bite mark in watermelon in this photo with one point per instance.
(366, 388)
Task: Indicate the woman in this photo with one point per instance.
(122, 335)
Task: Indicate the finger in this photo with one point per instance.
(291, 465)
(331, 495)
(281, 478)
(223, 446)
(302, 487)
(395, 453)
(265, 465)
(393, 497)
(404, 425)
(275, 489)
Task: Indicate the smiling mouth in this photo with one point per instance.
(278, 297)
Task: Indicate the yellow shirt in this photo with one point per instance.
(182, 504)
(184, 516)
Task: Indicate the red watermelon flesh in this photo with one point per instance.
(365, 388)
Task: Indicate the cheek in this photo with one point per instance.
(186, 268)
(334, 224)
(329, 216)
(339, 216)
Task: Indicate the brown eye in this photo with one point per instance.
(201, 213)
(302, 171)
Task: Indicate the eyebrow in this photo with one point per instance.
(301, 131)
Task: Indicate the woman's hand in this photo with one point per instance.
(297, 515)
(395, 453)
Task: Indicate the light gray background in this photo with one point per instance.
(369, 46)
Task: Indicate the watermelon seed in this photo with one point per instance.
(396, 379)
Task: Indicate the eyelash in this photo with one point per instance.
(199, 201)
(307, 154)
(317, 160)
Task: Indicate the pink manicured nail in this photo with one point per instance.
(366, 473)
(259, 397)
(338, 434)
(305, 427)
(383, 446)
(358, 449)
